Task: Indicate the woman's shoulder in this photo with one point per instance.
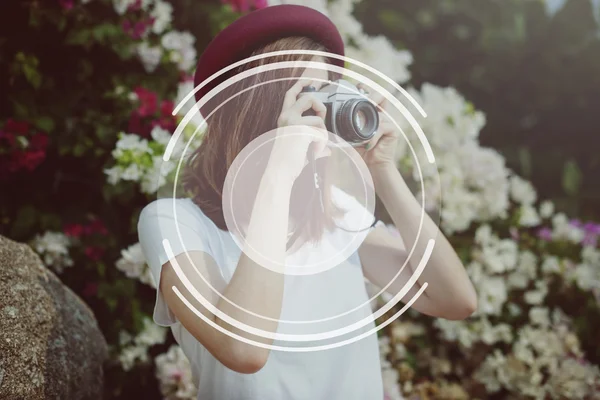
(182, 210)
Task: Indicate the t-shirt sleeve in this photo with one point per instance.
(165, 230)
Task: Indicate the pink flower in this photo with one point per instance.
(97, 226)
(148, 101)
(39, 141)
(514, 233)
(73, 230)
(90, 289)
(545, 234)
(66, 4)
(16, 126)
(94, 253)
(31, 159)
(245, 5)
(8, 137)
(138, 30)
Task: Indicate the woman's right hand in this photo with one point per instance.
(289, 153)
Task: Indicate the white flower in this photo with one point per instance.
(573, 380)
(175, 40)
(456, 331)
(121, 6)
(551, 265)
(151, 334)
(132, 354)
(340, 13)
(162, 14)
(563, 230)
(500, 255)
(183, 89)
(181, 46)
(525, 272)
(132, 173)
(521, 191)
(553, 6)
(53, 248)
(546, 209)
(156, 176)
(492, 295)
(483, 235)
(135, 349)
(174, 374)
(587, 277)
(131, 141)
(378, 53)
(514, 310)
(540, 316)
(160, 135)
(319, 5)
(391, 385)
(133, 264)
(537, 296)
(149, 55)
(528, 216)
(591, 256)
(114, 175)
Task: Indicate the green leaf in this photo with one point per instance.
(101, 269)
(571, 178)
(525, 161)
(32, 76)
(105, 31)
(78, 37)
(20, 110)
(24, 222)
(44, 123)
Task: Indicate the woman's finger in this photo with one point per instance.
(384, 130)
(375, 96)
(311, 120)
(308, 102)
(292, 94)
(373, 142)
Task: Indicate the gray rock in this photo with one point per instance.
(50, 343)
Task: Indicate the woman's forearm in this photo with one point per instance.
(448, 284)
(254, 285)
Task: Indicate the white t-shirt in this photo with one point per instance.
(348, 372)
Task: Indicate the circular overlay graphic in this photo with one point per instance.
(312, 322)
(331, 205)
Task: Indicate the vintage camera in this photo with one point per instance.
(349, 114)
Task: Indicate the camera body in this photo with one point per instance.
(350, 115)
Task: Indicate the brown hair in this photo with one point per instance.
(249, 114)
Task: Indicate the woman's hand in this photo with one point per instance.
(381, 149)
(289, 154)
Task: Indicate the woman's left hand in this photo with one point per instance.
(381, 149)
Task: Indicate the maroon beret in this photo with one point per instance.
(258, 28)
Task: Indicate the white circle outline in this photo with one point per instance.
(320, 65)
(307, 64)
(309, 270)
(311, 63)
(179, 128)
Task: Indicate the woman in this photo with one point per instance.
(247, 286)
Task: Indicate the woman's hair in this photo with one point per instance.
(244, 117)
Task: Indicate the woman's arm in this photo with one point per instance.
(252, 286)
(258, 281)
(450, 293)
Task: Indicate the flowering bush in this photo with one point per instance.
(87, 164)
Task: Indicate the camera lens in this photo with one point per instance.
(357, 120)
(360, 120)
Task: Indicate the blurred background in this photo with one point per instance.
(512, 93)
